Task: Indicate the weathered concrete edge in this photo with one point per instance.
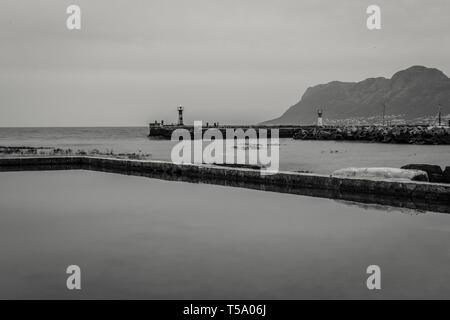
(403, 190)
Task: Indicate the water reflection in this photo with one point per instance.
(142, 238)
(365, 200)
(383, 208)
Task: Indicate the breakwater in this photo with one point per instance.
(165, 131)
(406, 134)
(381, 134)
(408, 194)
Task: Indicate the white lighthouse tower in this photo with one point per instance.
(319, 118)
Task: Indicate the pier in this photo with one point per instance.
(165, 131)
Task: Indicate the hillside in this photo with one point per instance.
(410, 94)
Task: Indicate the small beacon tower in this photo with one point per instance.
(319, 118)
(180, 115)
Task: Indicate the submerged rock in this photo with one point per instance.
(381, 173)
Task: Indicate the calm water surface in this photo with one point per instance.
(136, 237)
(315, 156)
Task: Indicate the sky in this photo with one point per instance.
(231, 61)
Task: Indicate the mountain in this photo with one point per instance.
(410, 94)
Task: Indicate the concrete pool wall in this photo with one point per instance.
(409, 194)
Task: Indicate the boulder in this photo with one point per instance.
(446, 175)
(434, 172)
(381, 173)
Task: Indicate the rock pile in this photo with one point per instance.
(392, 134)
(435, 173)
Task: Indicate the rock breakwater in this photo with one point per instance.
(381, 134)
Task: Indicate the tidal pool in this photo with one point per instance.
(136, 237)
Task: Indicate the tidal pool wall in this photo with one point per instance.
(415, 195)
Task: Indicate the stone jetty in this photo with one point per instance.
(165, 131)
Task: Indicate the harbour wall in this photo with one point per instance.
(165, 131)
(408, 194)
(404, 134)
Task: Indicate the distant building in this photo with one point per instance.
(155, 124)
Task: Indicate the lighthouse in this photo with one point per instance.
(180, 115)
(319, 118)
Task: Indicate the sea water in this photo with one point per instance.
(295, 155)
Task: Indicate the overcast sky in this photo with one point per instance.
(232, 61)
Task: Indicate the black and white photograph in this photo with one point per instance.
(225, 154)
